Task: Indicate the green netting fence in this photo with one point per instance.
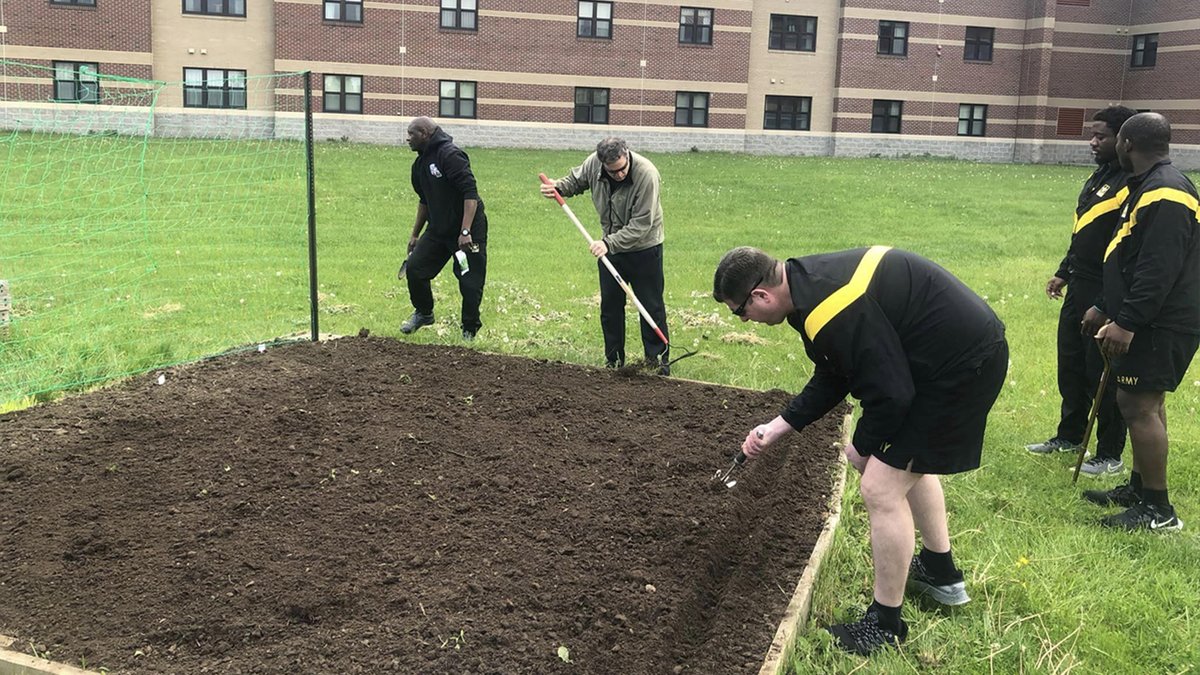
(145, 224)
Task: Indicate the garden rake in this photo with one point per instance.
(1087, 430)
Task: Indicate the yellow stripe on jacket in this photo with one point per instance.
(1152, 197)
(842, 297)
(1100, 209)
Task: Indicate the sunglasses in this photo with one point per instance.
(616, 172)
(740, 310)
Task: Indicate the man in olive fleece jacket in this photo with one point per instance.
(1148, 319)
(625, 192)
(925, 357)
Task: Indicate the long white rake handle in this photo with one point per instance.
(604, 259)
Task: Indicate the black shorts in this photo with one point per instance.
(943, 432)
(1157, 360)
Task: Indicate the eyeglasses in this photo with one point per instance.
(740, 310)
(616, 172)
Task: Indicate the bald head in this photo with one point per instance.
(1149, 132)
(1143, 141)
(424, 124)
(419, 132)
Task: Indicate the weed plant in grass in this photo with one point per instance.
(1053, 593)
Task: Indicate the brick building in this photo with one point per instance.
(996, 80)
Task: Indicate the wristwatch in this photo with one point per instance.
(466, 233)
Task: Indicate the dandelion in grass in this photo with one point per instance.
(1022, 562)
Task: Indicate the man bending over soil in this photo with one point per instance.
(926, 358)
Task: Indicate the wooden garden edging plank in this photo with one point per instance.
(796, 616)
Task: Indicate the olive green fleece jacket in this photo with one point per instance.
(632, 215)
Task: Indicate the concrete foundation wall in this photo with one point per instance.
(180, 123)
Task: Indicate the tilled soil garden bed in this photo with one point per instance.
(366, 505)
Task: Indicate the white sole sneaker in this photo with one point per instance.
(951, 594)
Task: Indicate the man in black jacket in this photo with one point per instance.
(926, 358)
(1148, 320)
(450, 203)
(1079, 360)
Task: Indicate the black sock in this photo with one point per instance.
(889, 617)
(940, 565)
(1135, 481)
(1156, 497)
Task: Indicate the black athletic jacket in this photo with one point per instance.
(1152, 264)
(442, 178)
(878, 323)
(1096, 216)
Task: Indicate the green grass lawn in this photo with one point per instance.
(218, 260)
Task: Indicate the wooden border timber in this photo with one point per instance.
(796, 616)
(16, 663)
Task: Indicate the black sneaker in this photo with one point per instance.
(1145, 516)
(951, 591)
(865, 636)
(1122, 495)
(415, 321)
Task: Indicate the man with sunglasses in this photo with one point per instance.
(625, 192)
(925, 357)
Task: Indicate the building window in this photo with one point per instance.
(343, 93)
(456, 99)
(344, 10)
(691, 109)
(793, 33)
(972, 119)
(75, 3)
(885, 116)
(1145, 50)
(459, 14)
(591, 105)
(978, 46)
(214, 88)
(76, 82)
(695, 26)
(787, 112)
(219, 7)
(595, 19)
(893, 38)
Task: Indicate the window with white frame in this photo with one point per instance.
(343, 94)
(595, 19)
(344, 10)
(77, 82)
(456, 99)
(214, 88)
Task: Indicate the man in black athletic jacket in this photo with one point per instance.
(926, 358)
(1148, 320)
(450, 203)
(1079, 360)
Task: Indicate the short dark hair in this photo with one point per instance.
(1149, 132)
(1114, 116)
(611, 149)
(739, 269)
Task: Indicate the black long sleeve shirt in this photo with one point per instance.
(878, 323)
(1096, 214)
(442, 178)
(1152, 264)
